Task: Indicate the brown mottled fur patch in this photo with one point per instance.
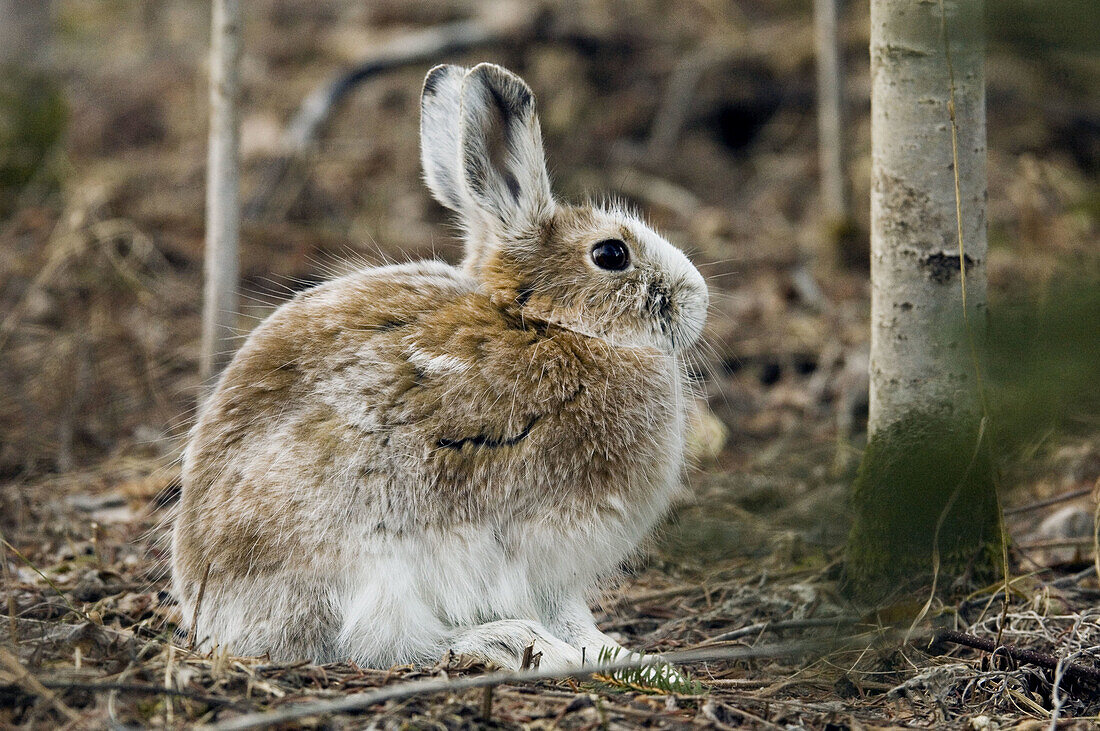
(592, 412)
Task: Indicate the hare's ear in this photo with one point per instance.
(440, 103)
(503, 165)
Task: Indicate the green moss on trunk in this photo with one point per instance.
(913, 472)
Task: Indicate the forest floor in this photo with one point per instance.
(100, 279)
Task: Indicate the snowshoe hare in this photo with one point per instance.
(421, 457)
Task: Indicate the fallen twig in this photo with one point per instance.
(427, 687)
(1080, 542)
(140, 689)
(9, 589)
(487, 704)
(1073, 579)
(659, 594)
(710, 707)
(33, 685)
(1021, 654)
(1064, 497)
(791, 624)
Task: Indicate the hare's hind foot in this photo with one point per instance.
(504, 643)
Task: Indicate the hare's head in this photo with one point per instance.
(599, 271)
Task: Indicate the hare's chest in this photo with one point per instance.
(626, 429)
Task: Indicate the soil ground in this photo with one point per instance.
(100, 285)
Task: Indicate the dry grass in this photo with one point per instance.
(95, 643)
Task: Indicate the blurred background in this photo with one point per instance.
(700, 113)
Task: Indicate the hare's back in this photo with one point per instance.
(302, 400)
(324, 330)
(310, 346)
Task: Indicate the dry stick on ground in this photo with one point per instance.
(762, 627)
(399, 691)
(1072, 495)
(528, 657)
(709, 711)
(414, 48)
(1020, 654)
(634, 599)
(1073, 579)
(1096, 527)
(140, 689)
(32, 684)
(168, 714)
(1081, 542)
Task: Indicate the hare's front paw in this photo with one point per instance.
(504, 643)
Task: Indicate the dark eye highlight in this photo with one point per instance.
(611, 254)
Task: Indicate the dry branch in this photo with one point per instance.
(1038, 504)
(1021, 654)
(400, 691)
(1042, 545)
(672, 115)
(422, 46)
(762, 627)
(140, 689)
(33, 685)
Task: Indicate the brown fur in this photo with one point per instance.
(522, 371)
(528, 391)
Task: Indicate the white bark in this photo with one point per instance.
(920, 356)
(830, 112)
(222, 191)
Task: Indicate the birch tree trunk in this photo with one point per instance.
(222, 265)
(830, 114)
(925, 491)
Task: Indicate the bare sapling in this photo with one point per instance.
(223, 210)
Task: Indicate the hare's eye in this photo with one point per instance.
(611, 254)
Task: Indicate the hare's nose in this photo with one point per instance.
(660, 301)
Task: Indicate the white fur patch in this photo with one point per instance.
(407, 598)
(437, 364)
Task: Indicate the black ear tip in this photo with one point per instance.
(436, 75)
(505, 85)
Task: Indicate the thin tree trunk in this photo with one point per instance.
(924, 494)
(222, 191)
(830, 114)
